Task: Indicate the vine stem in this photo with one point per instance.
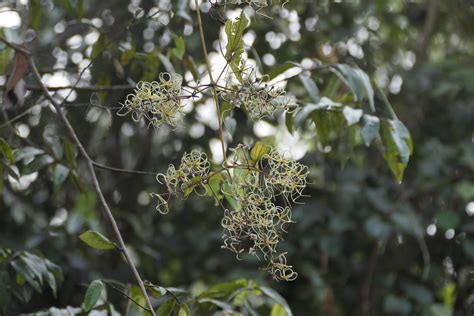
(95, 181)
(211, 79)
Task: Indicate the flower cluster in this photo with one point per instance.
(286, 177)
(158, 102)
(257, 225)
(193, 168)
(261, 100)
(256, 3)
(251, 181)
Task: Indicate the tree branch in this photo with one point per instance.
(104, 167)
(211, 79)
(119, 87)
(427, 31)
(98, 190)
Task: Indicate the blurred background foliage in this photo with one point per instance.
(363, 243)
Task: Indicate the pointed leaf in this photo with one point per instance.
(351, 115)
(310, 87)
(6, 151)
(94, 290)
(96, 240)
(370, 129)
(166, 308)
(258, 151)
(277, 298)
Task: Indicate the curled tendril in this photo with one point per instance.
(280, 269)
(162, 205)
(158, 102)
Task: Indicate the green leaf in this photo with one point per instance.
(98, 47)
(358, 81)
(36, 14)
(127, 56)
(258, 151)
(446, 220)
(5, 290)
(156, 291)
(166, 308)
(418, 292)
(11, 172)
(329, 120)
(279, 70)
(80, 9)
(213, 188)
(38, 164)
(396, 304)
(76, 180)
(184, 310)
(189, 186)
(437, 310)
(227, 308)
(351, 115)
(397, 146)
(96, 240)
(289, 122)
(369, 90)
(70, 153)
(6, 151)
(310, 87)
(180, 48)
(222, 290)
(60, 174)
(166, 63)
(274, 295)
(27, 153)
(22, 269)
(278, 310)
(370, 128)
(235, 44)
(94, 290)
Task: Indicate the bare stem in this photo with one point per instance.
(98, 190)
(211, 79)
(104, 167)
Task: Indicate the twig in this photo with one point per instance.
(370, 274)
(15, 46)
(119, 87)
(427, 30)
(126, 295)
(95, 181)
(211, 79)
(19, 116)
(104, 167)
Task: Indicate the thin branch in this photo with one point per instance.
(427, 31)
(126, 295)
(365, 305)
(104, 167)
(19, 116)
(15, 46)
(119, 87)
(95, 181)
(211, 79)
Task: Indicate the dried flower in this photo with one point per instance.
(158, 102)
(251, 184)
(193, 165)
(261, 100)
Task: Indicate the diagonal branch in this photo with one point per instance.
(98, 190)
